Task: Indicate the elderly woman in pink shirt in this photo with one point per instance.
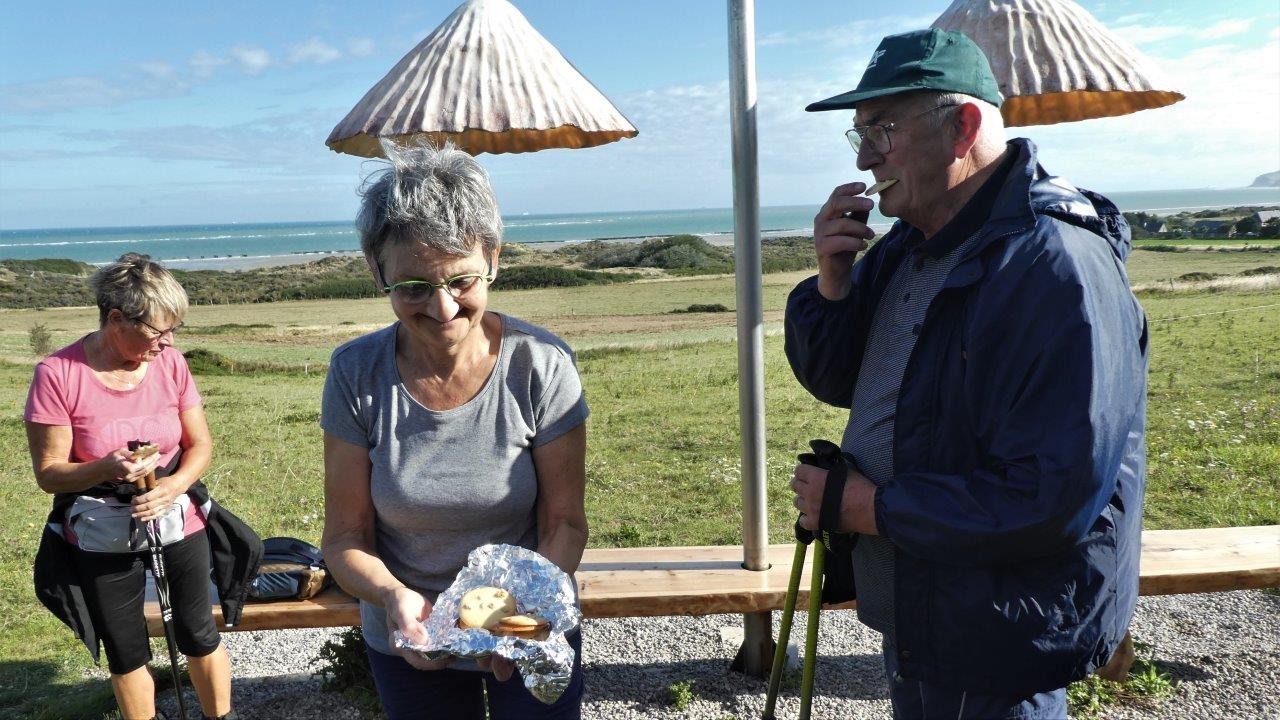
(125, 381)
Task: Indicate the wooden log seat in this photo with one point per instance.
(653, 581)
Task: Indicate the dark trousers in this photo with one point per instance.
(914, 700)
(114, 585)
(407, 693)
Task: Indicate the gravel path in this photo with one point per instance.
(1223, 649)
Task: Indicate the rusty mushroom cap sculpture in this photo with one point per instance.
(488, 82)
(1056, 63)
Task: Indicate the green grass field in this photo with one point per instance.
(663, 449)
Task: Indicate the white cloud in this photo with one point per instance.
(857, 31)
(59, 94)
(204, 63)
(1216, 137)
(252, 60)
(1224, 28)
(157, 70)
(360, 47)
(1143, 34)
(1131, 18)
(313, 50)
(285, 143)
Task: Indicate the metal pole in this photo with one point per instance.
(756, 652)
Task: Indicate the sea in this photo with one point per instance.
(241, 245)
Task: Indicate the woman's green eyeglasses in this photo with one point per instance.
(456, 286)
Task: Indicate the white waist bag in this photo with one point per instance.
(103, 524)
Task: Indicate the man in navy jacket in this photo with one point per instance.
(994, 359)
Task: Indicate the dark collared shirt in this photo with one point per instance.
(894, 331)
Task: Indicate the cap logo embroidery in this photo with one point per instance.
(874, 57)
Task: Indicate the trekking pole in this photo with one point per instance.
(811, 631)
(825, 455)
(784, 630)
(155, 545)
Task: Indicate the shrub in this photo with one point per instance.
(208, 362)
(225, 328)
(680, 694)
(681, 256)
(1197, 276)
(343, 667)
(524, 277)
(1147, 684)
(670, 253)
(49, 265)
(327, 289)
(41, 340)
(703, 308)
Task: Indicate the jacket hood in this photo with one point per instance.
(1054, 196)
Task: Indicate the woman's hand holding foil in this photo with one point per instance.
(406, 611)
(501, 667)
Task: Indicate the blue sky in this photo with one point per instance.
(137, 113)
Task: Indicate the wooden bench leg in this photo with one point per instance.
(1117, 668)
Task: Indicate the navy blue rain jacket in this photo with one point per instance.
(1019, 461)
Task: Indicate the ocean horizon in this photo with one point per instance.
(213, 245)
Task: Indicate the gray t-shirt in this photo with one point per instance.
(446, 482)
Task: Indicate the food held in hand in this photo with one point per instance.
(140, 449)
(483, 607)
(880, 186)
(529, 627)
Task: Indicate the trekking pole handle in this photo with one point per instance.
(143, 449)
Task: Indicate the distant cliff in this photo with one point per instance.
(1271, 179)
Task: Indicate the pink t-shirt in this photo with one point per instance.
(65, 392)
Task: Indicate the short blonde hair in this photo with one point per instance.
(138, 287)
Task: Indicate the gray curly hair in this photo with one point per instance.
(439, 197)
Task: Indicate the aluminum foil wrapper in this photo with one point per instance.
(539, 587)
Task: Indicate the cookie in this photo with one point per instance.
(521, 622)
(881, 186)
(143, 451)
(530, 627)
(483, 607)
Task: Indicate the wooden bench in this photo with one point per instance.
(647, 582)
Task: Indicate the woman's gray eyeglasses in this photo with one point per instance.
(155, 332)
(877, 135)
(417, 290)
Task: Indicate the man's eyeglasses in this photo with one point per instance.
(877, 135)
(418, 290)
(154, 332)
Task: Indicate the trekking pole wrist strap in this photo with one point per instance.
(832, 500)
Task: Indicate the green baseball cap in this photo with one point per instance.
(930, 59)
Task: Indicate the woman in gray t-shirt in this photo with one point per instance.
(452, 428)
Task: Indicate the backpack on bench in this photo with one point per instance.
(291, 569)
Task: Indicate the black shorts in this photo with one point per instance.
(114, 585)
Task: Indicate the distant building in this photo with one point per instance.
(1262, 216)
(1214, 228)
(1156, 227)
